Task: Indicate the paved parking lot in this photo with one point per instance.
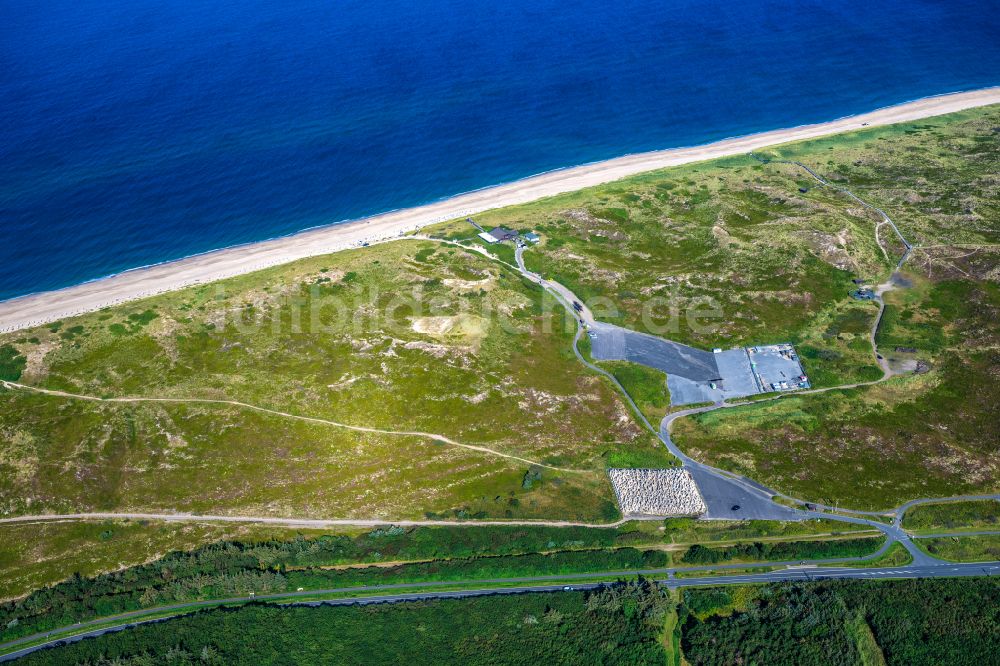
(736, 379)
(695, 375)
(613, 343)
(721, 495)
(777, 367)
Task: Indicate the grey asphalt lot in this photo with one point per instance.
(772, 367)
(737, 375)
(737, 381)
(722, 494)
(721, 491)
(691, 372)
(688, 392)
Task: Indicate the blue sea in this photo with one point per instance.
(138, 131)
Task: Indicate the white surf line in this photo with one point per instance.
(129, 285)
(273, 412)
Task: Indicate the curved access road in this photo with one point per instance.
(903, 508)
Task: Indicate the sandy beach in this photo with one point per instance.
(27, 311)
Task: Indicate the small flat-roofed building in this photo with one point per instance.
(863, 294)
(487, 237)
(501, 234)
(532, 237)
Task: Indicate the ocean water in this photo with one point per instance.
(138, 131)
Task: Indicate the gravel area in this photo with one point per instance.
(656, 492)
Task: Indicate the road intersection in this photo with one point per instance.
(721, 490)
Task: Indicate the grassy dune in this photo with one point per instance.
(918, 435)
(419, 336)
(979, 548)
(953, 516)
(646, 386)
(776, 262)
(923, 435)
(409, 336)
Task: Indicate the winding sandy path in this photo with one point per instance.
(274, 412)
(881, 289)
(48, 306)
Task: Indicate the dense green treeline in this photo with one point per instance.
(826, 623)
(782, 551)
(235, 568)
(910, 622)
(232, 569)
(619, 625)
(531, 564)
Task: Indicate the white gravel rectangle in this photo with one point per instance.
(657, 492)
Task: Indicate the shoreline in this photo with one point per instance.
(47, 306)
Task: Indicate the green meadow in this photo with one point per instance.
(416, 379)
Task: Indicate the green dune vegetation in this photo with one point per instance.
(409, 336)
(60, 573)
(969, 548)
(646, 386)
(742, 241)
(925, 434)
(953, 516)
(417, 379)
(776, 254)
(865, 623)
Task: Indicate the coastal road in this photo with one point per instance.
(721, 490)
(903, 508)
(382, 593)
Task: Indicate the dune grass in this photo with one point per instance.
(973, 548)
(953, 516)
(408, 336)
(917, 435)
(646, 386)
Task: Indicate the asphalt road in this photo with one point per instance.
(662, 576)
(721, 494)
(720, 490)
